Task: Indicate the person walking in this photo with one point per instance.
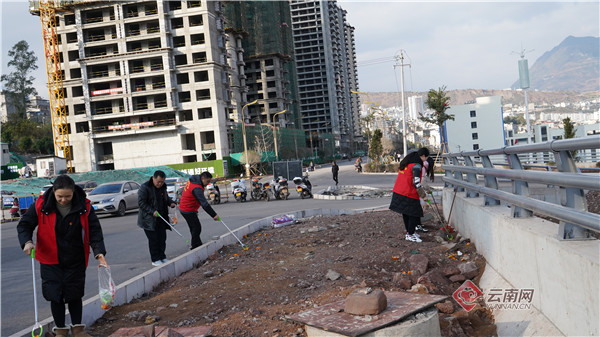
(153, 200)
(192, 198)
(408, 190)
(335, 169)
(67, 227)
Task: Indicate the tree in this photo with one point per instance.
(18, 84)
(570, 133)
(375, 147)
(437, 100)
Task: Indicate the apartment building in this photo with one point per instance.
(146, 82)
(326, 66)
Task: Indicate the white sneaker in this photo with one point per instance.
(164, 260)
(421, 228)
(413, 238)
(157, 263)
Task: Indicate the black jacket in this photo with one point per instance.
(68, 230)
(148, 205)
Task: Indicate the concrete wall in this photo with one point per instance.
(526, 252)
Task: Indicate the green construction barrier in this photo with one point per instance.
(218, 168)
(11, 171)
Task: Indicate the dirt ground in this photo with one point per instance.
(249, 293)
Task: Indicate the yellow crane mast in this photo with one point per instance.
(60, 127)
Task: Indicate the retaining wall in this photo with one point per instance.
(527, 254)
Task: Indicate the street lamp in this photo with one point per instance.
(244, 135)
(275, 133)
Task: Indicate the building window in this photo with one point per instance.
(204, 113)
(183, 78)
(474, 136)
(203, 94)
(473, 125)
(201, 76)
(473, 113)
(475, 146)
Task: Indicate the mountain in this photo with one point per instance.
(572, 65)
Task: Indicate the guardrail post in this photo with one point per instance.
(471, 177)
(570, 197)
(447, 173)
(490, 181)
(520, 187)
(457, 174)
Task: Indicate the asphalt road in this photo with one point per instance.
(127, 246)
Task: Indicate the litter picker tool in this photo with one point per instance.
(37, 323)
(173, 228)
(437, 211)
(244, 247)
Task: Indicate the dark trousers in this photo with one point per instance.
(157, 241)
(195, 228)
(335, 178)
(58, 312)
(410, 223)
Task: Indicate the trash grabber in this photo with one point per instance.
(37, 323)
(437, 210)
(436, 213)
(173, 228)
(244, 247)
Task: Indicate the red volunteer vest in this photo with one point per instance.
(188, 202)
(46, 251)
(404, 183)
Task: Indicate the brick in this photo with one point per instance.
(365, 302)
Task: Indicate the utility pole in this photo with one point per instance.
(400, 58)
(524, 84)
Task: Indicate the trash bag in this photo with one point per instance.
(106, 287)
(283, 220)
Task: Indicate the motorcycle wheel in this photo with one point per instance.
(285, 196)
(267, 197)
(217, 200)
(255, 195)
(302, 195)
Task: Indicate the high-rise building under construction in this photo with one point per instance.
(145, 82)
(326, 65)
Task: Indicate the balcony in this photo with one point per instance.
(127, 129)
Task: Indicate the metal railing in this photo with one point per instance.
(461, 171)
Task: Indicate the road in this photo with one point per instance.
(127, 246)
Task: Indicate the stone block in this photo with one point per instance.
(365, 302)
(458, 278)
(445, 307)
(468, 269)
(418, 262)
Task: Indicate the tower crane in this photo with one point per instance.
(47, 9)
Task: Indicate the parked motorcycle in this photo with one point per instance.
(280, 188)
(260, 191)
(239, 189)
(214, 194)
(303, 186)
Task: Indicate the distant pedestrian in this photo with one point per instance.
(312, 166)
(67, 227)
(153, 201)
(335, 169)
(192, 198)
(408, 190)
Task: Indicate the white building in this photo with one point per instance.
(476, 125)
(415, 107)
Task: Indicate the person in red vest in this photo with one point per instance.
(408, 190)
(66, 229)
(191, 199)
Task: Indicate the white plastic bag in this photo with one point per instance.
(106, 287)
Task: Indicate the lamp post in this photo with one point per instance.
(275, 133)
(244, 136)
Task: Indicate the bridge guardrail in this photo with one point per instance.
(461, 172)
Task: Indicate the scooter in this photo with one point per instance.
(256, 192)
(358, 167)
(214, 194)
(280, 188)
(303, 186)
(239, 189)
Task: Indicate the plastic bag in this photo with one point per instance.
(283, 220)
(173, 217)
(106, 287)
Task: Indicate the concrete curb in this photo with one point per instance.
(319, 195)
(147, 281)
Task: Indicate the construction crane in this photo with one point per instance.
(60, 128)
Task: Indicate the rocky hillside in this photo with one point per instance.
(388, 99)
(572, 65)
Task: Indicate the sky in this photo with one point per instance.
(460, 45)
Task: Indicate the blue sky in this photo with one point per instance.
(461, 45)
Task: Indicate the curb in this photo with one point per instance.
(147, 281)
(319, 195)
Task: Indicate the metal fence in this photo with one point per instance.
(462, 172)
